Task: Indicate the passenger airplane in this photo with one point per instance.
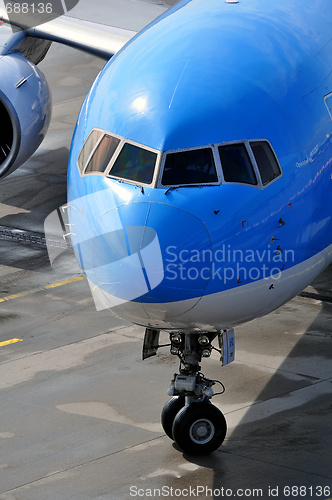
(200, 172)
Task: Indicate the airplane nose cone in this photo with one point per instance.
(150, 261)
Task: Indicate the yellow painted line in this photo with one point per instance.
(62, 283)
(11, 341)
(40, 289)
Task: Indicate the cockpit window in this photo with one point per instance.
(88, 147)
(251, 162)
(103, 154)
(189, 167)
(236, 164)
(134, 164)
(266, 161)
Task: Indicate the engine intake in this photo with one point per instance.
(9, 138)
(25, 111)
(6, 139)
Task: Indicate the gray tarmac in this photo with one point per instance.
(80, 411)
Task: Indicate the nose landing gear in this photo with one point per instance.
(197, 426)
(189, 418)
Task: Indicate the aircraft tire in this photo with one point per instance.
(169, 412)
(199, 428)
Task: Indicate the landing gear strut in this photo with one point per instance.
(188, 417)
(198, 427)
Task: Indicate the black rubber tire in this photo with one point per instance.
(170, 410)
(199, 428)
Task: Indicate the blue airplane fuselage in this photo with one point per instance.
(209, 72)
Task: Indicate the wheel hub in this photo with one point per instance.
(202, 431)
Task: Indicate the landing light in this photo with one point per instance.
(203, 340)
(176, 339)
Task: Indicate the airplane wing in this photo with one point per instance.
(92, 29)
(100, 40)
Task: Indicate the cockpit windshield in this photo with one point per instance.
(250, 162)
(134, 164)
(110, 155)
(102, 154)
(236, 164)
(266, 161)
(88, 146)
(194, 166)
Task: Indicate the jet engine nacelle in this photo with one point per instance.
(25, 110)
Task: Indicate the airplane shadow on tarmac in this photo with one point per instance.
(284, 439)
